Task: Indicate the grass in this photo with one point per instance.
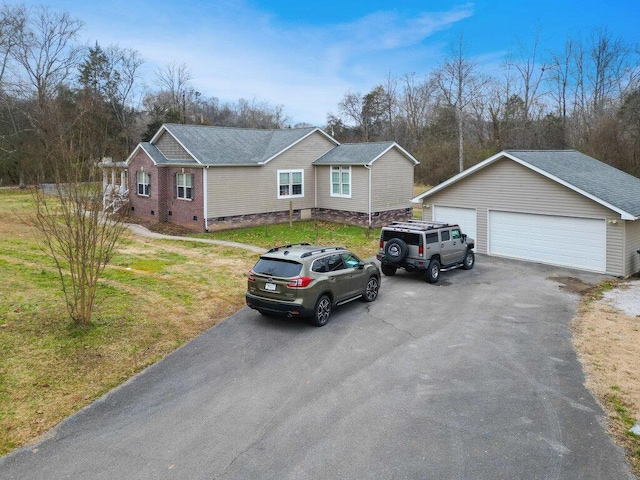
(360, 240)
(154, 297)
(624, 422)
(599, 290)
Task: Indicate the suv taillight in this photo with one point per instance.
(381, 244)
(299, 282)
(420, 250)
(250, 276)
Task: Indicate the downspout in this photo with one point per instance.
(315, 189)
(369, 195)
(205, 201)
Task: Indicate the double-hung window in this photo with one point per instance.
(143, 181)
(184, 182)
(290, 183)
(341, 181)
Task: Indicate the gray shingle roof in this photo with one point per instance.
(234, 146)
(592, 176)
(353, 154)
(602, 183)
(158, 158)
(358, 153)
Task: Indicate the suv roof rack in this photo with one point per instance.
(320, 250)
(308, 252)
(275, 249)
(419, 224)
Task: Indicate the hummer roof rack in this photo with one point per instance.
(419, 225)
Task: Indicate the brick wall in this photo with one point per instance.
(188, 213)
(141, 206)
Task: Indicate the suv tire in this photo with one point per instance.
(469, 260)
(322, 311)
(396, 250)
(389, 270)
(371, 290)
(433, 272)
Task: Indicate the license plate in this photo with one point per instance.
(270, 286)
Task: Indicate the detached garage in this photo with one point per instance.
(557, 207)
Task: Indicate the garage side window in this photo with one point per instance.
(143, 180)
(290, 183)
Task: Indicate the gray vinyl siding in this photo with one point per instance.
(508, 186)
(391, 185)
(632, 245)
(359, 190)
(615, 248)
(392, 182)
(235, 191)
(171, 149)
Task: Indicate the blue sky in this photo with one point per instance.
(306, 55)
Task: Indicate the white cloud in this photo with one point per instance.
(235, 50)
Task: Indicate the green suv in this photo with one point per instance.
(308, 281)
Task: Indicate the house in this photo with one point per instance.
(557, 207)
(212, 178)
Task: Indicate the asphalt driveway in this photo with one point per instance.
(472, 378)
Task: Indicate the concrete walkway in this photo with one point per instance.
(145, 232)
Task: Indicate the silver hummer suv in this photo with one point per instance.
(426, 247)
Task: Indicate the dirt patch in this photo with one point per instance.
(573, 285)
(608, 344)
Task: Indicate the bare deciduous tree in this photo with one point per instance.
(175, 81)
(77, 234)
(45, 50)
(415, 104)
(459, 81)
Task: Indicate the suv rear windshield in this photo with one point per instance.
(277, 268)
(409, 238)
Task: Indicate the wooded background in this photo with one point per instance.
(62, 101)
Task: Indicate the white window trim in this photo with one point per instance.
(290, 172)
(342, 168)
(147, 177)
(184, 175)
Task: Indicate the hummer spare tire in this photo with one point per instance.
(396, 250)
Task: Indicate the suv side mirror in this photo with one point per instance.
(464, 237)
(360, 264)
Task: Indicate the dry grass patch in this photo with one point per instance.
(608, 344)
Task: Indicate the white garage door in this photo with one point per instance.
(567, 241)
(465, 217)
